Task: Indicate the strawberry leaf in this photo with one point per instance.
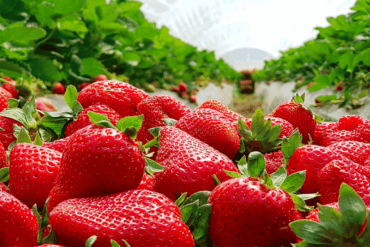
(70, 96)
(169, 121)
(189, 210)
(278, 177)
(352, 208)
(332, 220)
(155, 131)
(38, 140)
(114, 243)
(202, 221)
(299, 203)
(181, 199)
(244, 131)
(294, 182)
(257, 122)
(243, 166)
(13, 103)
(4, 174)
(130, 125)
(289, 146)
(306, 197)
(217, 181)
(40, 234)
(15, 114)
(200, 196)
(233, 174)
(152, 166)
(256, 164)
(364, 237)
(23, 136)
(51, 238)
(312, 232)
(90, 241)
(100, 120)
(267, 180)
(76, 109)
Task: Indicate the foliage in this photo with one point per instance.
(71, 41)
(340, 55)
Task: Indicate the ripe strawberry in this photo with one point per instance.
(4, 188)
(33, 171)
(273, 161)
(97, 161)
(155, 109)
(358, 152)
(300, 117)
(193, 99)
(58, 88)
(50, 245)
(18, 224)
(337, 136)
(3, 101)
(363, 132)
(330, 178)
(141, 217)
(350, 122)
(58, 145)
(8, 78)
(41, 106)
(189, 164)
(183, 87)
(147, 183)
(184, 95)
(83, 85)
(120, 96)
(100, 78)
(322, 131)
(6, 135)
(3, 159)
(213, 128)
(338, 88)
(7, 94)
(46, 104)
(11, 89)
(84, 120)
(218, 106)
(311, 158)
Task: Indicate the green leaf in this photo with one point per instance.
(299, 203)
(21, 34)
(4, 174)
(289, 146)
(70, 96)
(267, 180)
(306, 197)
(243, 166)
(244, 130)
(72, 23)
(52, 238)
(153, 166)
(181, 199)
(332, 220)
(257, 122)
(30, 109)
(293, 182)
(45, 70)
(311, 232)
(115, 244)
(23, 136)
(38, 140)
(204, 215)
(200, 196)
(279, 177)
(76, 109)
(352, 208)
(66, 6)
(364, 237)
(233, 174)
(100, 120)
(38, 218)
(256, 164)
(92, 67)
(76, 64)
(15, 114)
(13, 103)
(169, 121)
(132, 121)
(299, 99)
(131, 58)
(217, 181)
(189, 210)
(90, 241)
(154, 131)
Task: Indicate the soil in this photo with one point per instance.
(246, 105)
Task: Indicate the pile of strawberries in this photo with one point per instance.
(125, 169)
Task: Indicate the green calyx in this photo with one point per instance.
(337, 228)
(43, 223)
(299, 100)
(262, 136)
(196, 213)
(25, 115)
(255, 168)
(289, 145)
(91, 240)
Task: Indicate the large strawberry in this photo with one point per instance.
(98, 161)
(6, 130)
(255, 210)
(3, 101)
(330, 178)
(218, 106)
(18, 225)
(3, 159)
(120, 96)
(58, 145)
(4, 188)
(298, 115)
(83, 119)
(189, 164)
(345, 228)
(140, 217)
(356, 151)
(33, 170)
(11, 89)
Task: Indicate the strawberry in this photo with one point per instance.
(193, 99)
(322, 131)
(3, 158)
(358, 152)
(41, 106)
(350, 122)
(11, 89)
(3, 101)
(311, 158)
(363, 132)
(189, 164)
(50, 245)
(58, 145)
(120, 96)
(84, 120)
(6, 131)
(175, 89)
(97, 154)
(83, 85)
(58, 88)
(330, 178)
(48, 103)
(213, 128)
(140, 217)
(18, 225)
(4, 188)
(147, 183)
(273, 161)
(345, 226)
(7, 94)
(8, 79)
(255, 210)
(33, 171)
(183, 87)
(221, 108)
(300, 117)
(100, 78)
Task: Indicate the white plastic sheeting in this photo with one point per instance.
(226, 25)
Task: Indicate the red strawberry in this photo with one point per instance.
(193, 99)
(120, 96)
(58, 88)
(97, 161)
(183, 87)
(330, 178)
(363, 132)
(4, 188)
(50, 245)
(322, 131)
(18, 224)
(84, 120)
(33, 171)
(83, 85)
(358, 152)
(273, 161)
(41, 106)
(6, 135)
(140, 217)
(11, 89)
(100, 78)
(147, 183)
(350, 122)
(338, 88)
(189, 164)
(337, 136)
(218, 106)
(58, 145)
(300, 117)
(3, 159)
(311, 158)
(175, 89)
(8, 78)
(247, 213)
(7, 94)
(3, 101)
(213, 128)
